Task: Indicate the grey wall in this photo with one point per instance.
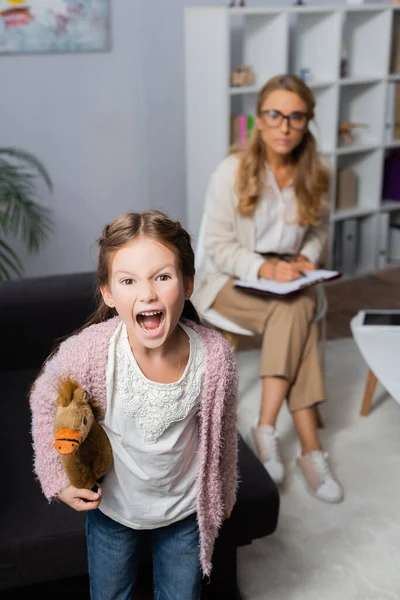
(109, 127)
(84, 115)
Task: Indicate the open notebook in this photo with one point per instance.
(267, 286)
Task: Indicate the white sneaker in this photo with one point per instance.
(319, 480)
(266, 444)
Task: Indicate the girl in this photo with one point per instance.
(168, 387)
(265, 216)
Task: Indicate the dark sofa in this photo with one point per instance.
(41, 541)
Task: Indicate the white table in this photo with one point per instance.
(380, 348)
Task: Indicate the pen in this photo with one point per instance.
(287, 260)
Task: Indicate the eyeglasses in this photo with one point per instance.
(297, 120)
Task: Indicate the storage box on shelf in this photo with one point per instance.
(348, 54)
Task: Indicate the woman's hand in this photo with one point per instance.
(80, 499)
(304, 264)
(281, 271)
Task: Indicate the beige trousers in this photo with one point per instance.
(289, 338)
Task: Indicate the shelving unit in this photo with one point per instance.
(275, 39)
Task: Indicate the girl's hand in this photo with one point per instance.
(80, 499)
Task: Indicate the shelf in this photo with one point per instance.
(365, 104)
(351, 213)
(361, 31)
(246, 89)
(320, 83)
(356, 149)
(277, 39)
(359, 80)
(389, 206)
(312, 30)
(392, 145)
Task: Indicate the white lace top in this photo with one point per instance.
(153, 430)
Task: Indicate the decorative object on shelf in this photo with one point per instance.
(54, 26)
(305, 74)
(346, 189)
(20, 214)
(242, 76)
(237, 3)
(345, 130)
(395, 49)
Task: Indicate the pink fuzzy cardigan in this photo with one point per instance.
(83, 356)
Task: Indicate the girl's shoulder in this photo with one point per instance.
(213, 341)
(90, 340)
(93, 332)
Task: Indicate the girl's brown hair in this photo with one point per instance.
(311, 176)
(125, 229)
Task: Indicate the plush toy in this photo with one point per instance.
(80, 440)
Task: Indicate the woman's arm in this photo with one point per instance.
(220, 237)
(315, 240)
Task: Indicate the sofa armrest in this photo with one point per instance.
(35, 312)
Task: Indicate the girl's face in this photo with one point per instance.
(281, 135)
(148, 291)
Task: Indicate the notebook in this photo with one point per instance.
(267, 286)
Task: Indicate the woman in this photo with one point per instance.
(266, 217)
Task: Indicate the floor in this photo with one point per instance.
(319, 551)
(345, 299)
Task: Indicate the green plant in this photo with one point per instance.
(20, 214)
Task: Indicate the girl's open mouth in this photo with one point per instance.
(150, 321)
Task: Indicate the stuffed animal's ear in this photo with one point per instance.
(97, 410)
(66, 388)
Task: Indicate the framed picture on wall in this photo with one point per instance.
(35, 26)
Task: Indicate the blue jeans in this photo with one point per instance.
(114, 552)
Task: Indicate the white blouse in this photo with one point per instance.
(153, 429)
(275, 219)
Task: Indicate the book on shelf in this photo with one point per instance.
(268, 286)
(241, 128)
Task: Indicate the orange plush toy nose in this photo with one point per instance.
(66, 441)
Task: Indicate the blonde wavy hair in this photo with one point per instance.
(311, 176)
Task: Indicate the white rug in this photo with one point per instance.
(349, 551)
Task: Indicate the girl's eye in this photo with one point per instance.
(163, 277)
(127, 281)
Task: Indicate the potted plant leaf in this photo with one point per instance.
(21, 215)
